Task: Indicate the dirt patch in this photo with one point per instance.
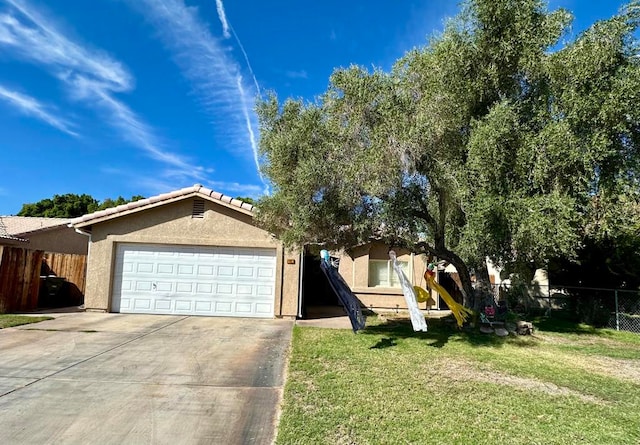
(622, 369)
(579, 340)
(619, 368)
(459, 370)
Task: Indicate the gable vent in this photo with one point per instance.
(198, 208)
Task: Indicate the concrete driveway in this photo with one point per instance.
(114, 378)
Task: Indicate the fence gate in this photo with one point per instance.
(20, 277)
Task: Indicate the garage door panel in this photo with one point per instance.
(125, 304)
(243, 308)
(194, 280)
(166, 269)
(204, 288)
(143, 286)
(224, 289)
(183, 305)
(206, 271)
(127, 285)
(184, 288)
(164, 286)
(203, 307)
(142, 303)
(185, 269)
(263, 309)
(264, 272)
(225, 271)
(246, 272)
(162, 305)
(223, 307)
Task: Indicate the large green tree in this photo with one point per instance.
(494, 140)
(71, 205)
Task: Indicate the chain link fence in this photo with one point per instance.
(611, 308)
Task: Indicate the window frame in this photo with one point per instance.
(392, 280)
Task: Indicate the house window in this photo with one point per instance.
(381, 273)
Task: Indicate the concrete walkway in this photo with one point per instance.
(335, 317)
(114, 378)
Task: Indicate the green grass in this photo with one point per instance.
(9, 320)
(389, 385)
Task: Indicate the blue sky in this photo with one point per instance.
(140, 97)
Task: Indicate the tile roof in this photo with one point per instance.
(23, 225)
(5, 235)
(164, 198)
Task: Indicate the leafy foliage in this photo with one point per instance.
(247, 200)
(494, 140)
(71, 205)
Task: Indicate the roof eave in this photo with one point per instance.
(78, 223)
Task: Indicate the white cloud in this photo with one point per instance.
(30, 106)
(238, 189)
(91, 77)
(44, 44)
(210, 67)
(223, 19)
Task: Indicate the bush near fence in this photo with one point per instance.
(611, 308)
(21, 286)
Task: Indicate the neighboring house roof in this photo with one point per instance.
(5, 235)
(25, 225)
(196, 190)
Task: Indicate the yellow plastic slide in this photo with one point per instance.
(459, 311)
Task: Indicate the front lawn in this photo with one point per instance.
(389, 385)
(10, 320)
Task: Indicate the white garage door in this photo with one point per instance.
(192, 280)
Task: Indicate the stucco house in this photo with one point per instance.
(192, 251)
(368, 272)
(47, 234)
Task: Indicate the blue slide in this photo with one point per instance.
(342, 290)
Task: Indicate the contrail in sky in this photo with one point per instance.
(223, 19)
(225, 32)
(246, 59)
(209, 66)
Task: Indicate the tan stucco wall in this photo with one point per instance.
(354, 268)
(290, 283)
(173, 224)
(60, 240)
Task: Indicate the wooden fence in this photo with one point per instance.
(19, 278)
(70, 266)
(20, 283)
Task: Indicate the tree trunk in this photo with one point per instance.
(484, 289)
(468, 292)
